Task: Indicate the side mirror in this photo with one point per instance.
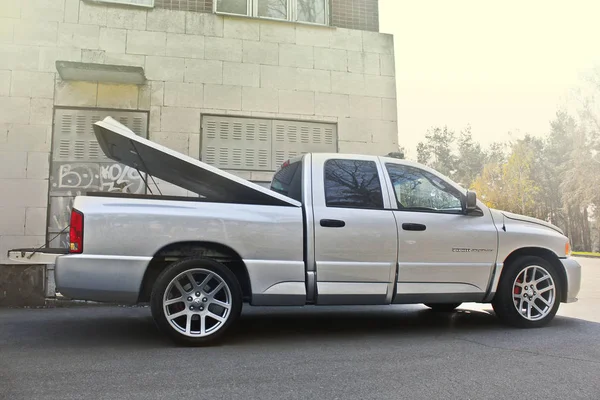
(471, 203)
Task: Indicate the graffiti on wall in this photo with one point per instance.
(70, 179)
(100, 177)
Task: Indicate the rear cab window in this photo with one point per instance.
(288, 180)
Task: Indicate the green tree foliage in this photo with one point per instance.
(437, 150)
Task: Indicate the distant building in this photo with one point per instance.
(241, 84)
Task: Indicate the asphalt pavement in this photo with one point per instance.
(389, 352)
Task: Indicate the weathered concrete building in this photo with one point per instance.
(241, 84)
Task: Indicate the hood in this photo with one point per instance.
(523, 218)
(120, 144)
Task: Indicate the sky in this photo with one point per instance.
(499, 67)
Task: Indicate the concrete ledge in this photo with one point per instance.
(105, 73)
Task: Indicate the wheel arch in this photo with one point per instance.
(194, 249)
(547, 255)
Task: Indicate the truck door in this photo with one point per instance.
(444, 255)
(355, 235)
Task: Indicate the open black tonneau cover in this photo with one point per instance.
(120, 144)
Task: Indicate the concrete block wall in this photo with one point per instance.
(196, 64)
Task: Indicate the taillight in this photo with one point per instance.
(76, 232)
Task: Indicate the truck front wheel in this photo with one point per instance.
(528, 294)
(195, 301)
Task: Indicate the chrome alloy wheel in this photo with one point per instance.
(197, 302)
(534, 293)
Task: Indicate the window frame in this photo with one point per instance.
(131, 3)
(451, 190)
(383, 191)
(292, 12)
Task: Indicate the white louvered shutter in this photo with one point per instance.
(237, 143)
(293, 138)
(256, 144)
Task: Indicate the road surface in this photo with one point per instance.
(393, 352)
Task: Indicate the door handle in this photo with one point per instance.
(332, 223)
(413, 227)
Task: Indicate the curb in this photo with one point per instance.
(584, 256)
(63, 303)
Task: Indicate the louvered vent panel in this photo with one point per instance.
(64, 148)
(237, 131)
(210, 155)
(74, 138)
(237, 158)
(94, 151)
(279, 157)
(293, 138)
(79, 150)
(263, 132)
(329, 135)
(250, 132)
(241, 143)
(138, 126)
(211, 129)
(261, 144)
(224, 130)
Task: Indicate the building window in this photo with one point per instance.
(311, 11)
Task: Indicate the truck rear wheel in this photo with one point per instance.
(529, 292)
(443, 307)
(195, 301)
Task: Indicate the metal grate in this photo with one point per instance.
(261, 144)
(241, 143)
(301, 138)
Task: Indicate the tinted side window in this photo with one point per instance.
(288, 181)
(353, 184)
(417, 189)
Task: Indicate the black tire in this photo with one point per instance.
(162, 283)
(503, 304)
(443, 307)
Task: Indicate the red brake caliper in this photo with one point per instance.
(517, 289)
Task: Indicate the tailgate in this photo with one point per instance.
(36, 256)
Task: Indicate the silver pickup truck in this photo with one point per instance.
(333, 229)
